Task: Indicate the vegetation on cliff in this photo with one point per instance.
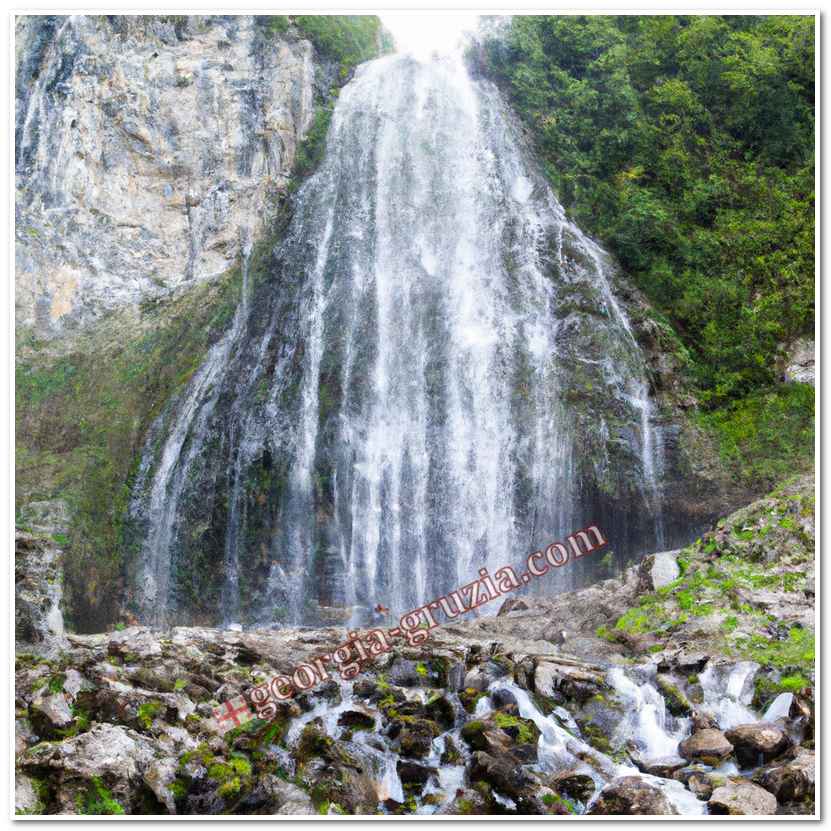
(686, 143)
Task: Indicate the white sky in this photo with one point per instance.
(427, 32)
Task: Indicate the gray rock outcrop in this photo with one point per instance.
(147, 153)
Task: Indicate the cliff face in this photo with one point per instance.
(147, 150)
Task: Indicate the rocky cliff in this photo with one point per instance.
(148, 153)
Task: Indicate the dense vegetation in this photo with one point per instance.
(348, 39)
(687, 145)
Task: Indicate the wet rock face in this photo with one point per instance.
(153, 144)
(38, 621)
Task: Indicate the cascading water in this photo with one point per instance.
(433, 376)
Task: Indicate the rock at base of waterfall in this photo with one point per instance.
(708, 746)
(38, 579)
(290, 799)
(663, 766)
(110, 753)
(659, 570)
(503, 774)
(413, 775)
(575, 785)
(700, 785)
(677, 703)
(789, 780)
(742, 798)
(757, 742)
(631, 795)
(53, 708)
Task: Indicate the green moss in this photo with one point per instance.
(764, 437)
(56, 682)
(180, 684)
(552, 800)
(179, 788)
(525, 733)
(795, 652)
(99, 800)
(82, 418)
(229, 788)
(464, 806)
(421, 669)
(148, 711)
(240, 764)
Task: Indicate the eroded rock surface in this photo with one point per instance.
(147, 150)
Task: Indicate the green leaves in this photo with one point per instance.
(686, 144)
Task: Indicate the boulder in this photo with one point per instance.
(701, 785)
(791, 780)
(570, 783)
(413, 774)
(115, 755)
(658, 570)
(663, 766)
(568, 681)
(49, 712)
(708, 746)
(356, 719)
(631, 795)
(287, 798)
(513, 604)
(502, 773)
(26, 799)
(799, 362)
(742, 798)
(757, 743)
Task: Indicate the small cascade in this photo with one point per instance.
(728, 692)
(558, 749)
(647, 721)
(779, 708)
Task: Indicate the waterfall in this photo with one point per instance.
(434, 376)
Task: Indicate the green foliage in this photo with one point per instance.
(687, 144)
(764, 436)
(311, 149)
(148, 711)
(553, 799)
(56, 683)
(347, 39)
(99, 800)
(795, 653)
(82, 418)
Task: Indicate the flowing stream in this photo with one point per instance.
(433, 375)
